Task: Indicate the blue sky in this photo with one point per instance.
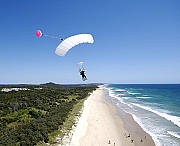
(135, 41)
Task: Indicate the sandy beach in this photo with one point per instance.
(100, 125)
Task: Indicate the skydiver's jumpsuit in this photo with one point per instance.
(82, 73)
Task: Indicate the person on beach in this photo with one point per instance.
(109, 142)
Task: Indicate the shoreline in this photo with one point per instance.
(101, 124)
(132, 126)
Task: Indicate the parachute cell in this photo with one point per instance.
(72, 41)
(80, 63)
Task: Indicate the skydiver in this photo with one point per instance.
(82, 73)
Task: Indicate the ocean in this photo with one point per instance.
(155, 107)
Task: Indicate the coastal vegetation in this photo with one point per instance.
(29, 117)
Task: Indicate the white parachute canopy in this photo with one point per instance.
(72, 41)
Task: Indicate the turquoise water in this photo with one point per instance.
(156, 107)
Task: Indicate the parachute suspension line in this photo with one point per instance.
(81, 68)
(54, 37)
(39, 34)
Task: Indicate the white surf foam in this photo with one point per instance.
(111, 93)
(120, 94)
(154, 137)
(126, 97)
(133, 93)
(173, 119)
(115, 95)
(144, 97)
(173, 134)
(119, 90)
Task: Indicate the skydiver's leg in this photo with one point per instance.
(84, 76)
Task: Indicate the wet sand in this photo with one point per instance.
(101, 125)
